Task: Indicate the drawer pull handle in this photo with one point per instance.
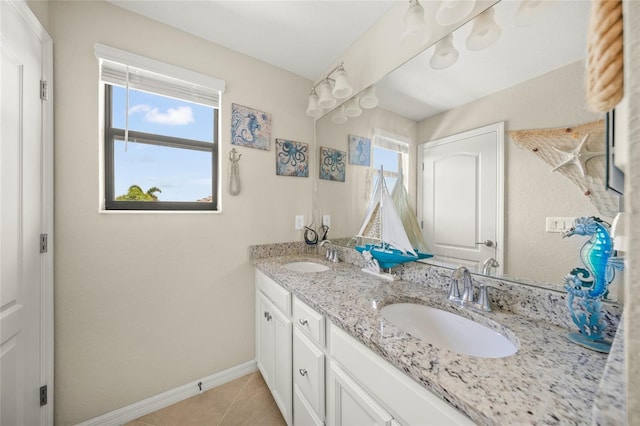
(303, 372)
(303, 321)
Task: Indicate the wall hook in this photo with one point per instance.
(234, 172)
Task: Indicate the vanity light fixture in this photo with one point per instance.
(415, 26)
(453, 11)
(352, 107)
(325, 98)
(324, 95)
(313, 109)
(485, 31)
(338, 116)
(341, 86)
(368, 98)
(445, 54)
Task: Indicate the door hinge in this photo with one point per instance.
(44, 246)
(422, 224)
(44, 93)
(43, 395)
(423, 167)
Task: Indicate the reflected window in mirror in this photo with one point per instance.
(391, 152)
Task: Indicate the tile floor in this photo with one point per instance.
(243, 402)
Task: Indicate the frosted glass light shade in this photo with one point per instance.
(445, 54)
(485, 31)
(414, 23)
(453, 11)
(313, 110)
(341, 87)
(339, 117)
(352, 108)
(368, 98)
(529, 12)
(325, 98)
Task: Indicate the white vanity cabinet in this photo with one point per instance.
(361, 382)
(273, 341)
(318, 374)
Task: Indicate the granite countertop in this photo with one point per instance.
(548, 381)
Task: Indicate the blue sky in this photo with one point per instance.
(182, 175)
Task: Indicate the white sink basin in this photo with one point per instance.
(447, 330)
(305, 267)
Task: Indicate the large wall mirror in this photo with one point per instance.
(531, 77)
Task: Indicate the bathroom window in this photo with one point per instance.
(390, 151)
(160, 135)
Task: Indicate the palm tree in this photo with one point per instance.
(135, 193)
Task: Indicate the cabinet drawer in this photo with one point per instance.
(309, 321)
(308, 371)
(280, 296)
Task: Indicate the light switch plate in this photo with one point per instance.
(299, 222)
(326, 220)
(558, 224)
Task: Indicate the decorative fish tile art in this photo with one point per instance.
(332, 164)
(250, 127)
(292, 158)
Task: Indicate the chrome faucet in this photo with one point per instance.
(332, 252)
(488, 264)
(468, 299)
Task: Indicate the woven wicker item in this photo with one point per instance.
(605, 72)
(577, 153)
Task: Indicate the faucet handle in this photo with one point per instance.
(460, 273)
(483, 298)
(484, 302)
(454, 291)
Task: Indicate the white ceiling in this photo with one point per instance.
(301, 36)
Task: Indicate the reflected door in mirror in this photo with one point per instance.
(460, 209)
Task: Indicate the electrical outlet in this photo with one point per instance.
(326, 220)
(299, 222)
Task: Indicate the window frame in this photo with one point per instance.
(112, 134)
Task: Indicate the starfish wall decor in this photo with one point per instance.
(577, 153)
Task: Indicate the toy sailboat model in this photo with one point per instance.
(384, 226)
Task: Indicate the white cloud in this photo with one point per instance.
(173, 116)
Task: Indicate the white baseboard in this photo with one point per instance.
(149, 405)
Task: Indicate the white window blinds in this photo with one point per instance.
(392, 141)
(126, 69)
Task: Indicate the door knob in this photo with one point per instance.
(487, 243)
(303, 372)
(303, 321)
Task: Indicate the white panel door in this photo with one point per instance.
(21, 216)
(461, 196)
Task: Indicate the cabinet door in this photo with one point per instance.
(265, 350)
(282, 383)
(349, 405)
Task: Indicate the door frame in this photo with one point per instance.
(47, 221)
(498, 128)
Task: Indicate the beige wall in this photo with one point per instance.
(346, 202)
(148, 302)
(532, 191)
